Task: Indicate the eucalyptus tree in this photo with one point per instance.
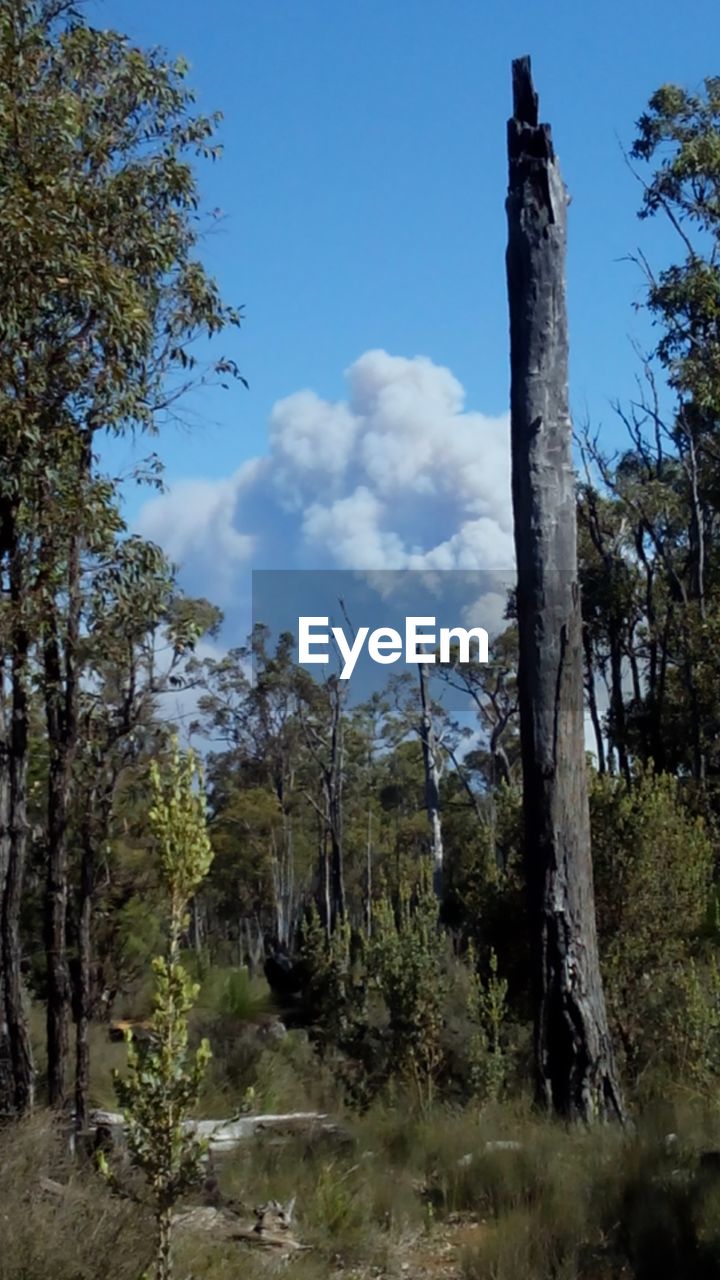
(250, 711)
(102, 294)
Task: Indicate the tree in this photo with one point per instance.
(574, 1058)
(163, 1080)
(260, 724)
(101, 297)
(419, 716)
(138, 633)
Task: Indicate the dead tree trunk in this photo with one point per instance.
(576, 1074)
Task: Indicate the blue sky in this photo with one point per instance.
(363, 181)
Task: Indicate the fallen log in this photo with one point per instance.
(223, 1135)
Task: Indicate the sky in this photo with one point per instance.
(363, 185)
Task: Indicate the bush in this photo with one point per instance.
(488, 1010)
(653, 866)
(407, 964)
(232, 993)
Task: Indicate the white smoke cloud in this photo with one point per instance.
(399, 476)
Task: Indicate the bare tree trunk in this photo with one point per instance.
(592, 701)
(325, 892)
(368, 913)
(432, 782)
(6, 1080)
(333, 794)
(56, 887)
(617, 701)
(62, 725)
(21, 1057)
(83, 992)
(576, 1074)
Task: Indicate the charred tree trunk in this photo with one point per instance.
(576, 1074)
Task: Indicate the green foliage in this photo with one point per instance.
(337, 987)
(653, 870)
(488, 1011)
(232, 993)
(163, 1079)
(407, 962)
(681, 132)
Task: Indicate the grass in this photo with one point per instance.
(405, 1189)
(69, 1236)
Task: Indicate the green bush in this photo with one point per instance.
(408, 966)
(488, 1010)
(232, 993)
(653, 865)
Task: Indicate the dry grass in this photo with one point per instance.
(404, 1194)
(68, 1235)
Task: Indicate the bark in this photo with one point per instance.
(23, 1071)
(327, 750)
(282, 867)
(576, 1075)
(368, 904)
(6, 1081)
(163, 1259)
(617, 700)
(56, 889)
(333, 791)
(592, 700)
(432, 782)
(61, 717)
(84, 966)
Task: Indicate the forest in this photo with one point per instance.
(282, 983)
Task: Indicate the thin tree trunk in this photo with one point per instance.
(83, 994)
(432, 782)
(325, 885)
(163, 1258)
(61, 715)
(592, 700)
(21, 1057)
(56, 889)
(6, 1080)
(576, 1074)
(368, 876)
(617, 701)
(333, 789)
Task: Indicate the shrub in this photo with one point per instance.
(653, 866)
(488, 1010)
(163, 1079)
(407, 963)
